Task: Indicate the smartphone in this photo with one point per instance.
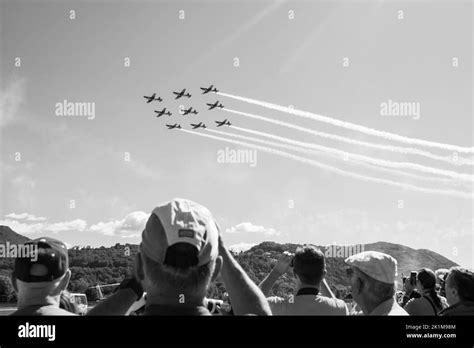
(413, 275)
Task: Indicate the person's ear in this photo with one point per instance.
(14, 284)
(360, 285)
(455, 293)
(65, 280)
(324, 273)
(217, 268)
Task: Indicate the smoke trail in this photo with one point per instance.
(351, 126)
(316, 152)
(454, 193)
(376, 161)
(404, 150)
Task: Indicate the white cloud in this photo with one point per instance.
(25, 216)
(27, 224)
(11, 98)
(241, 246)
(66, 226)
(42, 228)
(248, 227)
(130, 226)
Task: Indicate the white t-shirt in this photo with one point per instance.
(307, 305)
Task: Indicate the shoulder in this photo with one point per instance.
(397, 310)
(333, 302)
(335, 305)
(51, 310)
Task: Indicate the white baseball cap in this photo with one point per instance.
(180, 221)
(377, 265)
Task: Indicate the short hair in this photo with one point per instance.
(309, 264)
(462, 280)
(427, 278)
(176, 272)
(377, 291)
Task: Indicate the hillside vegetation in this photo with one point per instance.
(108, 265)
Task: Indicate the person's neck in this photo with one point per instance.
(368, 307)
(425, 291)
(27, 300)
(302, 286)
(181, 300)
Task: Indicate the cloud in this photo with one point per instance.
(241, 246)
(248, 227)
(27, 224)
(130, 226)
(11, 98)
(66, 226)
(43, 228)
(25, 216)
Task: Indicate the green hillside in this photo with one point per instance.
(108, 265)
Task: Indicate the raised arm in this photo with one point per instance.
(246, 297)
(116, 304)
(326, 290)
(129, 291)
(280, 268)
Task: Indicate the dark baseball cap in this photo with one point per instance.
(51, 262)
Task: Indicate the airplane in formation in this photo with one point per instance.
(211, 88)
(173, 126)
(199, 125)
(152, 98)
(182, 94)
(162, 112)
(215, 105)
(190, 110)
(226, 122)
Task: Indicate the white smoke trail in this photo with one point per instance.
(318, 152)
(375, 161)
(453, 193)
(404, 150)
(351, 126)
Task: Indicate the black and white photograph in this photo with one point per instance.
(167, 159)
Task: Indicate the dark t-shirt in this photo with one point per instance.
(414, 294)
(175, 310)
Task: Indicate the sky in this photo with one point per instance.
(95, 180)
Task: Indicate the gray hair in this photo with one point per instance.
(189, 281)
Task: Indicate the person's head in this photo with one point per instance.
(42, 278)
(178, 253)
(425, 280)
(409, 284)
(372, 276)
(459, 285)
(309, 266)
